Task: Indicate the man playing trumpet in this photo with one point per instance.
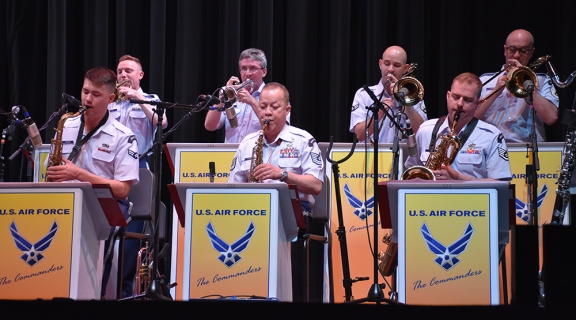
(392, 66)
(510, 113)
(483, 152)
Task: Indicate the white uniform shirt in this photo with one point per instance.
(512, 115)
(297, 152)
(112, 152)
(360, 114)
(484, 155)
(248, 121)
(132, 116)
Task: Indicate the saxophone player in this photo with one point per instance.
(288, 155)
(483, 152)
(107, 150)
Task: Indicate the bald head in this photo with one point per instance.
(398, 52)
(520, 35)
(519, 46)
(393, 63)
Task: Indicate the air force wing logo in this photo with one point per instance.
(361, 210)
(447, 257)
(32, 253)
(229, 254)
(522, 211)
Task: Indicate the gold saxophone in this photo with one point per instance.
(55, 156)
(444, 154)
(257, 152)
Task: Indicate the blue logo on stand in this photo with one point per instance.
(447, 256)
(522, 208)
(32, 252)
(229, 253)
(361, 209)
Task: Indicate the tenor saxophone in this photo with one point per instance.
(55, 156)
(257, 152)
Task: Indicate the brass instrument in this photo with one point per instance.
(257, 152)
(556, 79)
(55, 156)
(387, 260)
(414, 90)
(118, 95)
(142, 279)
(231, 94)
(444, 154)
(516, 77)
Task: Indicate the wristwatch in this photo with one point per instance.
(284, 176)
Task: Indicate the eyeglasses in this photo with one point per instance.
(251, 69)
(523, 51)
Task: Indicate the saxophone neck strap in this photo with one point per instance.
(465, 135)
(81, 141)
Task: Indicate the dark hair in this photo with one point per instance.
(102, 77)
(276, 85)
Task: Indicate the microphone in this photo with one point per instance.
(210, 100)
(70, 99)
(528, 85)
(402, 93)
(32, 129)
(212, 169)
(15, 111)
(411, 140)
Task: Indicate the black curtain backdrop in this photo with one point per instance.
(322, 50)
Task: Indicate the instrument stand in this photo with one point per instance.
(6, 135)
(532, 167)
(341, 232)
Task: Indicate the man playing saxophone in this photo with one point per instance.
(392, 66)
(102, 150)
(512, 114)
(288, 155)
(483, 152)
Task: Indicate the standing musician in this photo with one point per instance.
(483, 153)
(392, 66)
(140, 118)
(253, 65)
(512, 114)
(108, 151)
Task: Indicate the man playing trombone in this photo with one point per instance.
(508, 112)
(392, 66)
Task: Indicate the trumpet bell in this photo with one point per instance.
(418, 172)
(413, 93)
(516, 78)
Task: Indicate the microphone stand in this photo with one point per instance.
(375, 294)
(27, 144)
(157, 288)
(6, 134)
(193, 109)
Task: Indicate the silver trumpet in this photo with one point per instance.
(231, 94)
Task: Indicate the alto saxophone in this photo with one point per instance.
(257, 152)
(55, 156)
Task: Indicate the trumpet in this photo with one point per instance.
(231, 94)
(516, 79)
(120, 96)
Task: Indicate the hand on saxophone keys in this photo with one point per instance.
(268, 172)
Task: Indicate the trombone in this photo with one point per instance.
(516, 77)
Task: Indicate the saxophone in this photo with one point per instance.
(257, 152)
(55, 156)
(568, 164)
(444, 154)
